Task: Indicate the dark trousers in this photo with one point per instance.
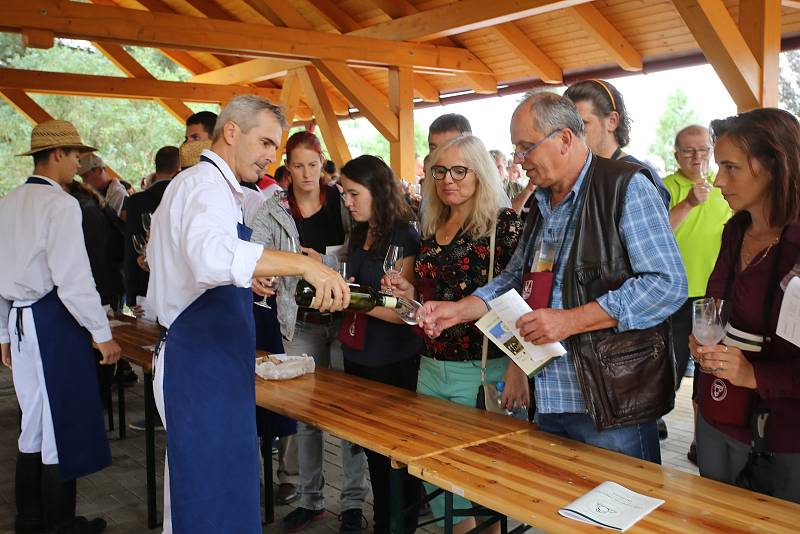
(402, 374)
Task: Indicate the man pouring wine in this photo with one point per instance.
(202, 269)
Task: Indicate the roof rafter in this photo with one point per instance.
(163, 30)
(460, 17)
(118, 87)
(606, 35)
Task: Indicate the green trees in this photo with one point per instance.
(677, 114)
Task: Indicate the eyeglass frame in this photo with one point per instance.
(449, 171)
(704, 151)
(520, 156)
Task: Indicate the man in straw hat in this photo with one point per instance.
(49, 314)
(203, 270)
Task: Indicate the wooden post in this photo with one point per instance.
(320, 103)
(290, 98)
(401, 102)
(760, 24)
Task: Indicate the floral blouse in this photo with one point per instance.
(451, 272)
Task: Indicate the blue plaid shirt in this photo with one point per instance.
(656, 291)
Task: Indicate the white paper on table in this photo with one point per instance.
(789, 319)
(509, 307)
(612, 506)
(149, 312)
(113, 323)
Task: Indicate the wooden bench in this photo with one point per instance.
(529, 476)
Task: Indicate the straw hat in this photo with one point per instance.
(190, 152)
(55, 134)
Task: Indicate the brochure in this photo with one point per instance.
(499, 325)
(611, 505)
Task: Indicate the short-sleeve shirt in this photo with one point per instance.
(456, 271)
(700, 234)
(324, 228)
(384, 343)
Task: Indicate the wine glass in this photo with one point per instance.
(291, 246)
(147, 219)
(139, 244)
(393, 263)
(709, 322)
(414, 225)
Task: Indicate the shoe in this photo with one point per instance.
(286, 494)
(300, 518)
(158, 426)
(662, 429)
(28, 489)
(353, 522)
(692, 454)
(81, 525)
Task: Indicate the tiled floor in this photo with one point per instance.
(118, 492)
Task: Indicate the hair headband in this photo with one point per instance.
(602, 84)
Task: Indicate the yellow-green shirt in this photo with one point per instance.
(700, 234)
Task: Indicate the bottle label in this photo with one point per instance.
(390, 302)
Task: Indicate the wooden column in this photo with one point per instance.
(401, 102)
(320, 103)
(760, 24)
(290, 98)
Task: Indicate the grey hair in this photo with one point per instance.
(692, 129)
(243, 110)
(553, 112)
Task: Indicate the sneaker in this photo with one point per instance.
(692, 454)
(662, 429)
(287, 493)
(353, 522)
(300, 518)
(81, 525)
(158, 426)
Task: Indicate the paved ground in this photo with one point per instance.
(118, 493)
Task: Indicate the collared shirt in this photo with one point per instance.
(657, 289)
(41, 247)
(700, 234)
(193, 239)
(116, 196)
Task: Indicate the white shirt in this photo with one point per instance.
(194, 245)
(116, 195)
(41, 247)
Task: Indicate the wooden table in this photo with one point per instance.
(530, 475)
(399, 424)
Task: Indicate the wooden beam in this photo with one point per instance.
(606, 35)
(760, 24)
(401, 150)
(116, 87)
(38, 38)
(396, 8)
(460, 17)
(252, 71)
(290, 99)
(791, 4)
(424, 90)
(722, 43)
(320, 103)
(365, 97)
(537, 61)
(164, 30)
(335, 15)
(286, 14)
(25, 105)
(128, 64)
(186, 60)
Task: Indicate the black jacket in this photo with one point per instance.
(144, 202)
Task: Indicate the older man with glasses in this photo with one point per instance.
(697, 215)
(616, 279)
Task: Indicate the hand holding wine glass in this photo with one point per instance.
(709, 325)
(291, 246)
(393, 263)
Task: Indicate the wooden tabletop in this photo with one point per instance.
(394, 422)
(529, 476)
(137, 338)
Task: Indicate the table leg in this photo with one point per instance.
(150, 450)
(123, 430)
(448, 512)
(266, 454)
(396, 472)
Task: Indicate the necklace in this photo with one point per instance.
(747, 258)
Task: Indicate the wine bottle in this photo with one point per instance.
(362, 298)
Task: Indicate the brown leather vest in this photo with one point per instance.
(626, 377)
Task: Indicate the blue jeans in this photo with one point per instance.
(639, 441)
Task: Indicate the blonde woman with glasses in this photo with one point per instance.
(464, 203)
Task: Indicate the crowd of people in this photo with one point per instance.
(214, 247)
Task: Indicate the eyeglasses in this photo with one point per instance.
(457, 172)
(520, 156)
(691, 152)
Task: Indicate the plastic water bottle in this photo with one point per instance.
(517, 413)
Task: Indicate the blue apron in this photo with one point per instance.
(70, 374)
(209, 400)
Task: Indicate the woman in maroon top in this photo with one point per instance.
(755, 370)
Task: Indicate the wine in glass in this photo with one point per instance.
(709, 322)
(291, 246)
(393, 263)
